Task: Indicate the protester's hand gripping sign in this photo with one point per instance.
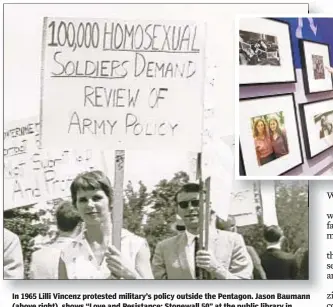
(122, 84)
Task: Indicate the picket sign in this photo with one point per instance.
(36, 176)
(121, 85)
(268, 196)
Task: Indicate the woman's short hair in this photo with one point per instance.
(92, 180)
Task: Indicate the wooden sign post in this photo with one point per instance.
(118, 198)
(204, 213)
(260, 209)
(207, 213)
(207, 219)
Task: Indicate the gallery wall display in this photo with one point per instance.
(328, 171)
(269, 135)
(315, 57)
(265, 52)
(317, 126)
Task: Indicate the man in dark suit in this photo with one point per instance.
(277, 263)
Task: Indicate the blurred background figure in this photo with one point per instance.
(304, 267)
(68, 223)
(277, 263)
(12, 257)
(45, 261)
(230, 225)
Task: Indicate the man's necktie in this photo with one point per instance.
(196, 248)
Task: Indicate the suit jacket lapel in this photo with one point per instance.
(181, 245)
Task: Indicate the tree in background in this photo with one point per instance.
(292, 212)
(135, 206)
(27, 226)
(151, 215)
(163, 209)
(280, 118)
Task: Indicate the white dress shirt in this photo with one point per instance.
(45, 261)
(273, 245)
(190, 249)
(81, 262)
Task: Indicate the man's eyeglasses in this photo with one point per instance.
(185, 204)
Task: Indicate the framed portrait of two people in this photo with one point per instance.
(269, 135)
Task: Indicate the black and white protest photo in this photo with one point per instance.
(315, 58)
(258, 49)
(326, 123)
(265, 51)
(318, 66)
(269, 234)
(114, 167)
(317, 125)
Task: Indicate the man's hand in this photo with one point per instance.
(329, 69)
(119, 265)
(206, 260)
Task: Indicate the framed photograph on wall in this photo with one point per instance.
(265, 52)
(269, 135)
(317, 126)
(315, 57)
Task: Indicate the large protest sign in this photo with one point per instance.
(35, 176)
(244, 203)
(122, 84)
(268, 197)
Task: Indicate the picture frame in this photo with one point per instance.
(317, 126)
(314, 57)
(269, 136)
(265, 58)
